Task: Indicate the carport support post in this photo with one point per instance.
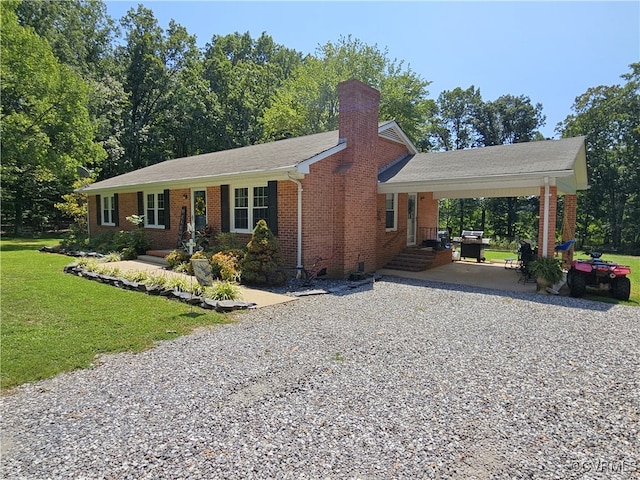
(569, 227)
(547, 219)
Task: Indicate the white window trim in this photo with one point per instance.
(146, 216)
(232, 206)
(111, 222)
(395, 213)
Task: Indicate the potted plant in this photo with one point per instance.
(547, 271)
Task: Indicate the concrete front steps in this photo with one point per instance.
(418, 259)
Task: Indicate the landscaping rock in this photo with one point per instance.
(231, 305)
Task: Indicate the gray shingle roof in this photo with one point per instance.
(255, 158)
(516, 159)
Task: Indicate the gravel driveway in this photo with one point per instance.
(401, 379)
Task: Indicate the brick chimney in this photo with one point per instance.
(357, 175)
(359, 106)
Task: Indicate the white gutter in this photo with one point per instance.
(299, 233)
(545, 227)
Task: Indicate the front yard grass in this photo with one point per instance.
(54, 322)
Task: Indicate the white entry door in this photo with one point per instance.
(412, 205)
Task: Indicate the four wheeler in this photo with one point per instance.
(597, 273)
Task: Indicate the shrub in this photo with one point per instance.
(176, 257)
(135, 276)
(227, 241)
(547, 268)
(113, 257)
(129, 253)
(177, 283)
(225, 266)
(222, 291)
(262, 262)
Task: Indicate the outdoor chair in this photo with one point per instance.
(525, 256)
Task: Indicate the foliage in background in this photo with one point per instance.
(117, 95)
(46, 130)
(609, 116)
(308, 100)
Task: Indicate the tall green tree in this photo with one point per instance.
(80, 32)
(45, 124)
(82, 36)
(170, 111)
(245, 74)
(609, 116)
(308, 100)
(509, 119)
(454, 125)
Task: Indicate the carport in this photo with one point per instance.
(546, 168)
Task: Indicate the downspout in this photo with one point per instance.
(545, 226)
(299, 234)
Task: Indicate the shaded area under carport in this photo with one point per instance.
(492, 275)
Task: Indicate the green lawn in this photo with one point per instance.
(54, 322)
(633, 262)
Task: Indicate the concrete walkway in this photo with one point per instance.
(486, 274)
(259, 297)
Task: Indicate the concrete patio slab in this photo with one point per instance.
(471, 273)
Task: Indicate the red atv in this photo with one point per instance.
(596, 273)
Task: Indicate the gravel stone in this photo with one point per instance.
(394, 379)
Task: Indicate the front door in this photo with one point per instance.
(199, 208)
(411, 218)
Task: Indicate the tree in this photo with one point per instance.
(454, 125)
(81, 35)
(609, 116)
(245, 74)
(46, 129)
(79, 31)
(509, 119)
(308, 100)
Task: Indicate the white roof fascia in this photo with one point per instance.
(303, 167)
(203, 182)
(474, 183)
(394, 125)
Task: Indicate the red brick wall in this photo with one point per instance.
(357, 175)
(390, 243)
(128, 205)
(427, 211)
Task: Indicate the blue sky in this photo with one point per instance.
(549, 51)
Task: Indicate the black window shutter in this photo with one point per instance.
(99, 209)
(272, 199)
(141, 203)
(225, 211)
(116, 212)
(167, 211)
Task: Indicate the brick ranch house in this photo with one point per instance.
(358, 195)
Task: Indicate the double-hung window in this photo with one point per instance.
(108, 210)
(250, 205)
(155, 210)
(391, 208)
